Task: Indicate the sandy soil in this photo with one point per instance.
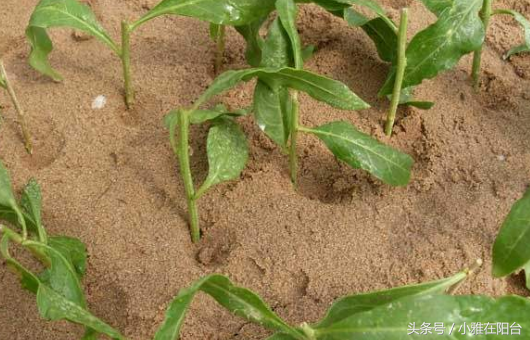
(109, 176)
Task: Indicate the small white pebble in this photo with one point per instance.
(99, 102)
(501, 158)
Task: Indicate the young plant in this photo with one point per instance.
(511, 252)
(276, 110)
(21, 117)
(73, 14)
(58, 285)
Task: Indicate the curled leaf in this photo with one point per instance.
(526, 26)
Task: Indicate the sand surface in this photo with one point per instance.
(109, 176)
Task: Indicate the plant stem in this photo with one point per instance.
(185, 173)
(126, 63)
(477, 58)
(469, 272)
(293, 157)
(20, 113)
(402, 64)
(220, 49)
(12, 235)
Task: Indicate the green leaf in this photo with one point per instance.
(2, 82)
(60, 13)
(526, 26)
(28, 281)
(250, 33)
(438, 6)
(395, 320)
(281, 336)
(277, 52)
(272, 111)
(31, 203)
(90, 334)
(511, 251)
(364, 152)
(356, 304)
(308, 52)
(439, 47)
(287, 12)
(240, 301)
(61, 276)
(72, 250)
(384, 38)
(221, 12)
(53, 306)
(227, 153)
(7, 198)
(422, 105)
(321, 88)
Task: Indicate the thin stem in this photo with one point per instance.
(20, 113)
(402, 64)
(221, 34)
(293, 157)
(126, 63)
(12, 235)
(469, 272)
(477, 58)
(185, 173)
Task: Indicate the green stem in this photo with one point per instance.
(220, 49)
(477, 58)
(474, 268)
(126, 63)
(185, 173)
(12, 235)
(293, 157)
(400, 73)
(20, 113)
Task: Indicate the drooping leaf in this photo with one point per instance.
(321, 88)
(28, 281)
(72, 250)
(511, 251)
(54, 306)
(250, 33)
(400, 319)
(272, 111)
(458, 31)
(384, 38)
(60, 13)
(364, 152)
(526, 26)
(407, 98)
(9, 209)
(273, 106)
(227, 153)
(438, 6)
(240, 301)
(287, 12)
(61, 276)
(31, 203)
(221, 12)
(355, 304)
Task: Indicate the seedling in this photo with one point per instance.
(486, 13)
(511, 252)
(72, 14)
(58, 286)
(21, 117)
(276, 110)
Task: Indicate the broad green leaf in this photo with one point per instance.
(384, 38)
(31, 203)
(287, 12)
(240, 301)
(221, 12)
(439, 47)
(53, 306)
(355, 304)
(72, 250)
(364, 152)
(321, 88)
(61, 276)
(526, 26)
(396, 320)
(438, 6)
(272, 111)
(28, 281)
(254, 41)
(60, 13)
(273, 106)
(227, 153)
(511, 251)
